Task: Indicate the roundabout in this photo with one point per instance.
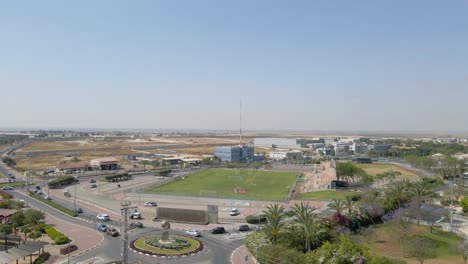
(171, 246)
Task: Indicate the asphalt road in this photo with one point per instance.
(218, 247)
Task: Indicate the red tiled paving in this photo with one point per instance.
(84, 237)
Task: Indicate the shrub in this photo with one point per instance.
(35, 234)
(464, 204)
(67, 249)
(118, 177)
(42, 258)
(61, 239)
(255, 219)
(5, 195)
(63, 181)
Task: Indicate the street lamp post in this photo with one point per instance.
(74, 202)
(451, 203)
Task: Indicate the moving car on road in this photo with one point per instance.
(150, 204)
(194, 233)
(136, 225)
(218, 230)
(234, 212)
(79, 210)
(102, 227)
(7, 188)
(112, 231)
(92, 181)
(135, 215)
(243, 228)
(103, 217)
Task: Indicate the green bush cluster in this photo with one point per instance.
(255, 219)
(118, 177)
(42, 258)
(62, 181)
(58, 237)
(177, 244)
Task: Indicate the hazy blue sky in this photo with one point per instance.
(315, 65)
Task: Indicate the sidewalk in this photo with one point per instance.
(85, 238)
(240, 254)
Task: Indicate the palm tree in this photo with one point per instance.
(419, 192)
(306, 219)
(349, 204)
(337, 205)
(274, 215)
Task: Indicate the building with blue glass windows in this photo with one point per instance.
(244, 153)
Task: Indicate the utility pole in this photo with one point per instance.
(240, 123)
(124, 210)
(74, 202)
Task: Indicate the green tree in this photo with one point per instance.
(419, 192)
(337, 205)
(464, 204)
(145, 163)
(304, 217)
(33, 217)
(421, 248)
(344, 251)
(350, 204)
(274, 215)
(6, 229)
(25, 230)
(17, 220)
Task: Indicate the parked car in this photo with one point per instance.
(102, 227)
(150, 204)
(47, 197)
(112, 231)
(243, 228)
(218, 230)
(7, 188)
(79, 210)
(103, 217)
(92, 181)
(93, 185)
(136, 225)
(194, 233)
(234, 212)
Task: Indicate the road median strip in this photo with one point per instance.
(54, 205)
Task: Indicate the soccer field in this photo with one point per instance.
(232, 183)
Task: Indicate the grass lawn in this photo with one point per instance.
(194, 244)
(376, 168)
(263, 185)
(324, 195)
(387, 242)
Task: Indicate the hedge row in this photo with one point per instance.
(255, 219)
(58, 237)
(62, 181)
(118, 177)
(68, 249)
(42, 258)
(54, 205)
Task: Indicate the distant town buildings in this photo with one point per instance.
(105, 164)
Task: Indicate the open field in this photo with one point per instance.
(324, 195)
(262, 185)
(386, 242)
(376, 168)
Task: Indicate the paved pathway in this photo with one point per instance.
(242, 256)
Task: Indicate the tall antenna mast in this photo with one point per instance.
(240, 122)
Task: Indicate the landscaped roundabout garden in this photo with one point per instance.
(175, 245)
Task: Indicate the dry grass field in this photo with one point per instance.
(376, 168)
(42, 155)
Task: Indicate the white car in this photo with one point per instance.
(103, 217)
(193, 233)
(150, 204)
(234, 212)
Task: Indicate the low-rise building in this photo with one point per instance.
(74, 167)
(105, 164)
